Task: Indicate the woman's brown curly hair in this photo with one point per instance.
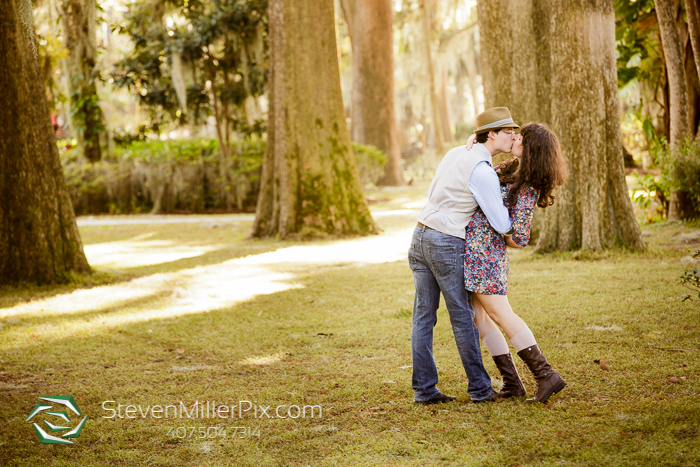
(541, 166)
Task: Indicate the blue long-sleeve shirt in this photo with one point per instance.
(486, 190)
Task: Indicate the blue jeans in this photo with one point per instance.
(437, 262)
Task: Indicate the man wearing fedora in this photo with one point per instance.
(464, 180)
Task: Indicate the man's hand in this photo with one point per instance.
(470, 142)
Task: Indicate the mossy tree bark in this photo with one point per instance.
(554, 62)
(79, 25)
(39, 239)
(680, 205)
(309, 182)
(370, 23)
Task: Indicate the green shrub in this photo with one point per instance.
(690, 279)
(180, 176)
(166, 176)
(680, 168)
(651, 188)
(171, 150)
(370, 162)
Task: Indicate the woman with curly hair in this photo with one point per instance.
(527, 179)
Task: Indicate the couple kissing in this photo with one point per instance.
(474, 212)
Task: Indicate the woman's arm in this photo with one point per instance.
(521, 214)
(470, 141)
(509, 241)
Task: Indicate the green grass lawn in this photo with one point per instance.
(195, 312)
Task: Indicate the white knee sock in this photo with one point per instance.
(523, 339)
(495, 343)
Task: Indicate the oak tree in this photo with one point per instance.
(370, 25)
(39, 239)
(554, 62)
(309, 182)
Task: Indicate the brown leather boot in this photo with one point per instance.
(512, 385)
(548, 381)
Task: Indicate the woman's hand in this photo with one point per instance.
(470, 142)
(510, 242)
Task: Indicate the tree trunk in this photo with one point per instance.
(370, 24)
(79, 29)
(309, 183)
(680, 205)
(444, 108)
(691, 72)
(436, 124)
(562, 49)
(471, 64)
(459, 103)
(693, 13)
(684, 206)
(39, 239)
(665, 13)
(507, 29)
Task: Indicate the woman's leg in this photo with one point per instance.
(481, 319)
(498, 349)
(548, 381)
(499, 309)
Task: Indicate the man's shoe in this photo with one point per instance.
(512, 384)
(548, 381)
(438, 398)
(493, 397)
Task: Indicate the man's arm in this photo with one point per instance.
(486, 190)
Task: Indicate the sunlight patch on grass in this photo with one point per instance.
(419, 204)
(87, 312)
(160, 296)
(196, 290)
(397, 212)
(87, 300)
(134, 253)
(263, 359)
(385, 248)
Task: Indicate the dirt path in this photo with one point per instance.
(139, 219)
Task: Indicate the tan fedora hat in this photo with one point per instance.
(493, 119)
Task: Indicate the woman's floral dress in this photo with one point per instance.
(486, 259)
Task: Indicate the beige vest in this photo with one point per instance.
(451, 204)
